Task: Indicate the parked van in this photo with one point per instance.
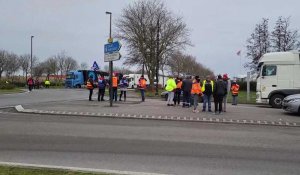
(278, 77)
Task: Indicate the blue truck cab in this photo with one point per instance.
(78, 78)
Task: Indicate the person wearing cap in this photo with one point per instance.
(90, 87)
(235, 92)
(171, 87)
(220, 90)
(225, 80)
(123, 87)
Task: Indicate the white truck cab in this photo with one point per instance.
(278, 77)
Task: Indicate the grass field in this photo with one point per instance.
(9, 170)
(11, 91)
(242, 98)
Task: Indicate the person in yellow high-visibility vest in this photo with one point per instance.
(207, 90)
(47, 83)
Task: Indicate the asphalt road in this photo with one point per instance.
(42, 95)
(149, 146)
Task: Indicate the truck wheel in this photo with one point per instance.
(276, 100)
(299, 111)
(132, 87)
(78, 86)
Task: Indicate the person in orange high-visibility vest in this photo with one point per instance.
(196, 92)
(115, 86)
(142, 86)
(235, 92)
(90, 87)
(178, 91)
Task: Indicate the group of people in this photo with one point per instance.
(31, 83)
(192, 89)
(116, 84)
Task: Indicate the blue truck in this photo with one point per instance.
(78, 78)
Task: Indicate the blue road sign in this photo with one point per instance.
(112, 47)
(95, 66)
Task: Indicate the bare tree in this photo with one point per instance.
(181, 65)
(3, 61)
(12, 66)
(83, 66)
(25, 61)
(143, 26)
(39, 69)
(258, 44)
(284, 39)
(70, 64)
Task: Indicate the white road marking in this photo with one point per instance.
(78, 169)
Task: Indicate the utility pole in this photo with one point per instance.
(110, 40)
(31, 56)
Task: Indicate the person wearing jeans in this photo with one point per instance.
(142, 86)
(186, 89)
(171, 86)
(207, 90)
(196, 91)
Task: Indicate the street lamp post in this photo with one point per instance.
(157, 56)
(110, 63)
(31, 56)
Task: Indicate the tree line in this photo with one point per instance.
(281, 39)
(59, 64)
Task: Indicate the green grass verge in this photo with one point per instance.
(10, 170)
(242, 98)
(11, 91)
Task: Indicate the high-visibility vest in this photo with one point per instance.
(235, 89)
(142, 83)
(89, 85)
(212, 85)
(196, 88)
(47, 82)
(114, 82)
(179, 84)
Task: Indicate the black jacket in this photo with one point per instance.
(220, 88)
(187, 85)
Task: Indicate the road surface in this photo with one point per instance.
(166, 147)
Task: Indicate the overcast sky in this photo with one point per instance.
(219, 28)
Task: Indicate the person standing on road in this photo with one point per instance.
(225, 79)
(123, 87)
(220, 90)
(30, 83)
(142, 86)
(114, 85)
(186, 89)
(235, 92)
(207, 90)
(196, 92)
(90, 87)
(178, 91)
(101, 86)
(37, 83)
(171, 87)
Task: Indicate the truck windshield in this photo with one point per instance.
(70, 76)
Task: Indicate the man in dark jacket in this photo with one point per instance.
(101, 85)
(207, 90)
(220, 90)
(186, 88)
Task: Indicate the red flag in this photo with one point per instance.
(239, 53)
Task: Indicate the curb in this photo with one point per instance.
(20, 109)
(76, 169)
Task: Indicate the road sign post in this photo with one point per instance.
(111, 53)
